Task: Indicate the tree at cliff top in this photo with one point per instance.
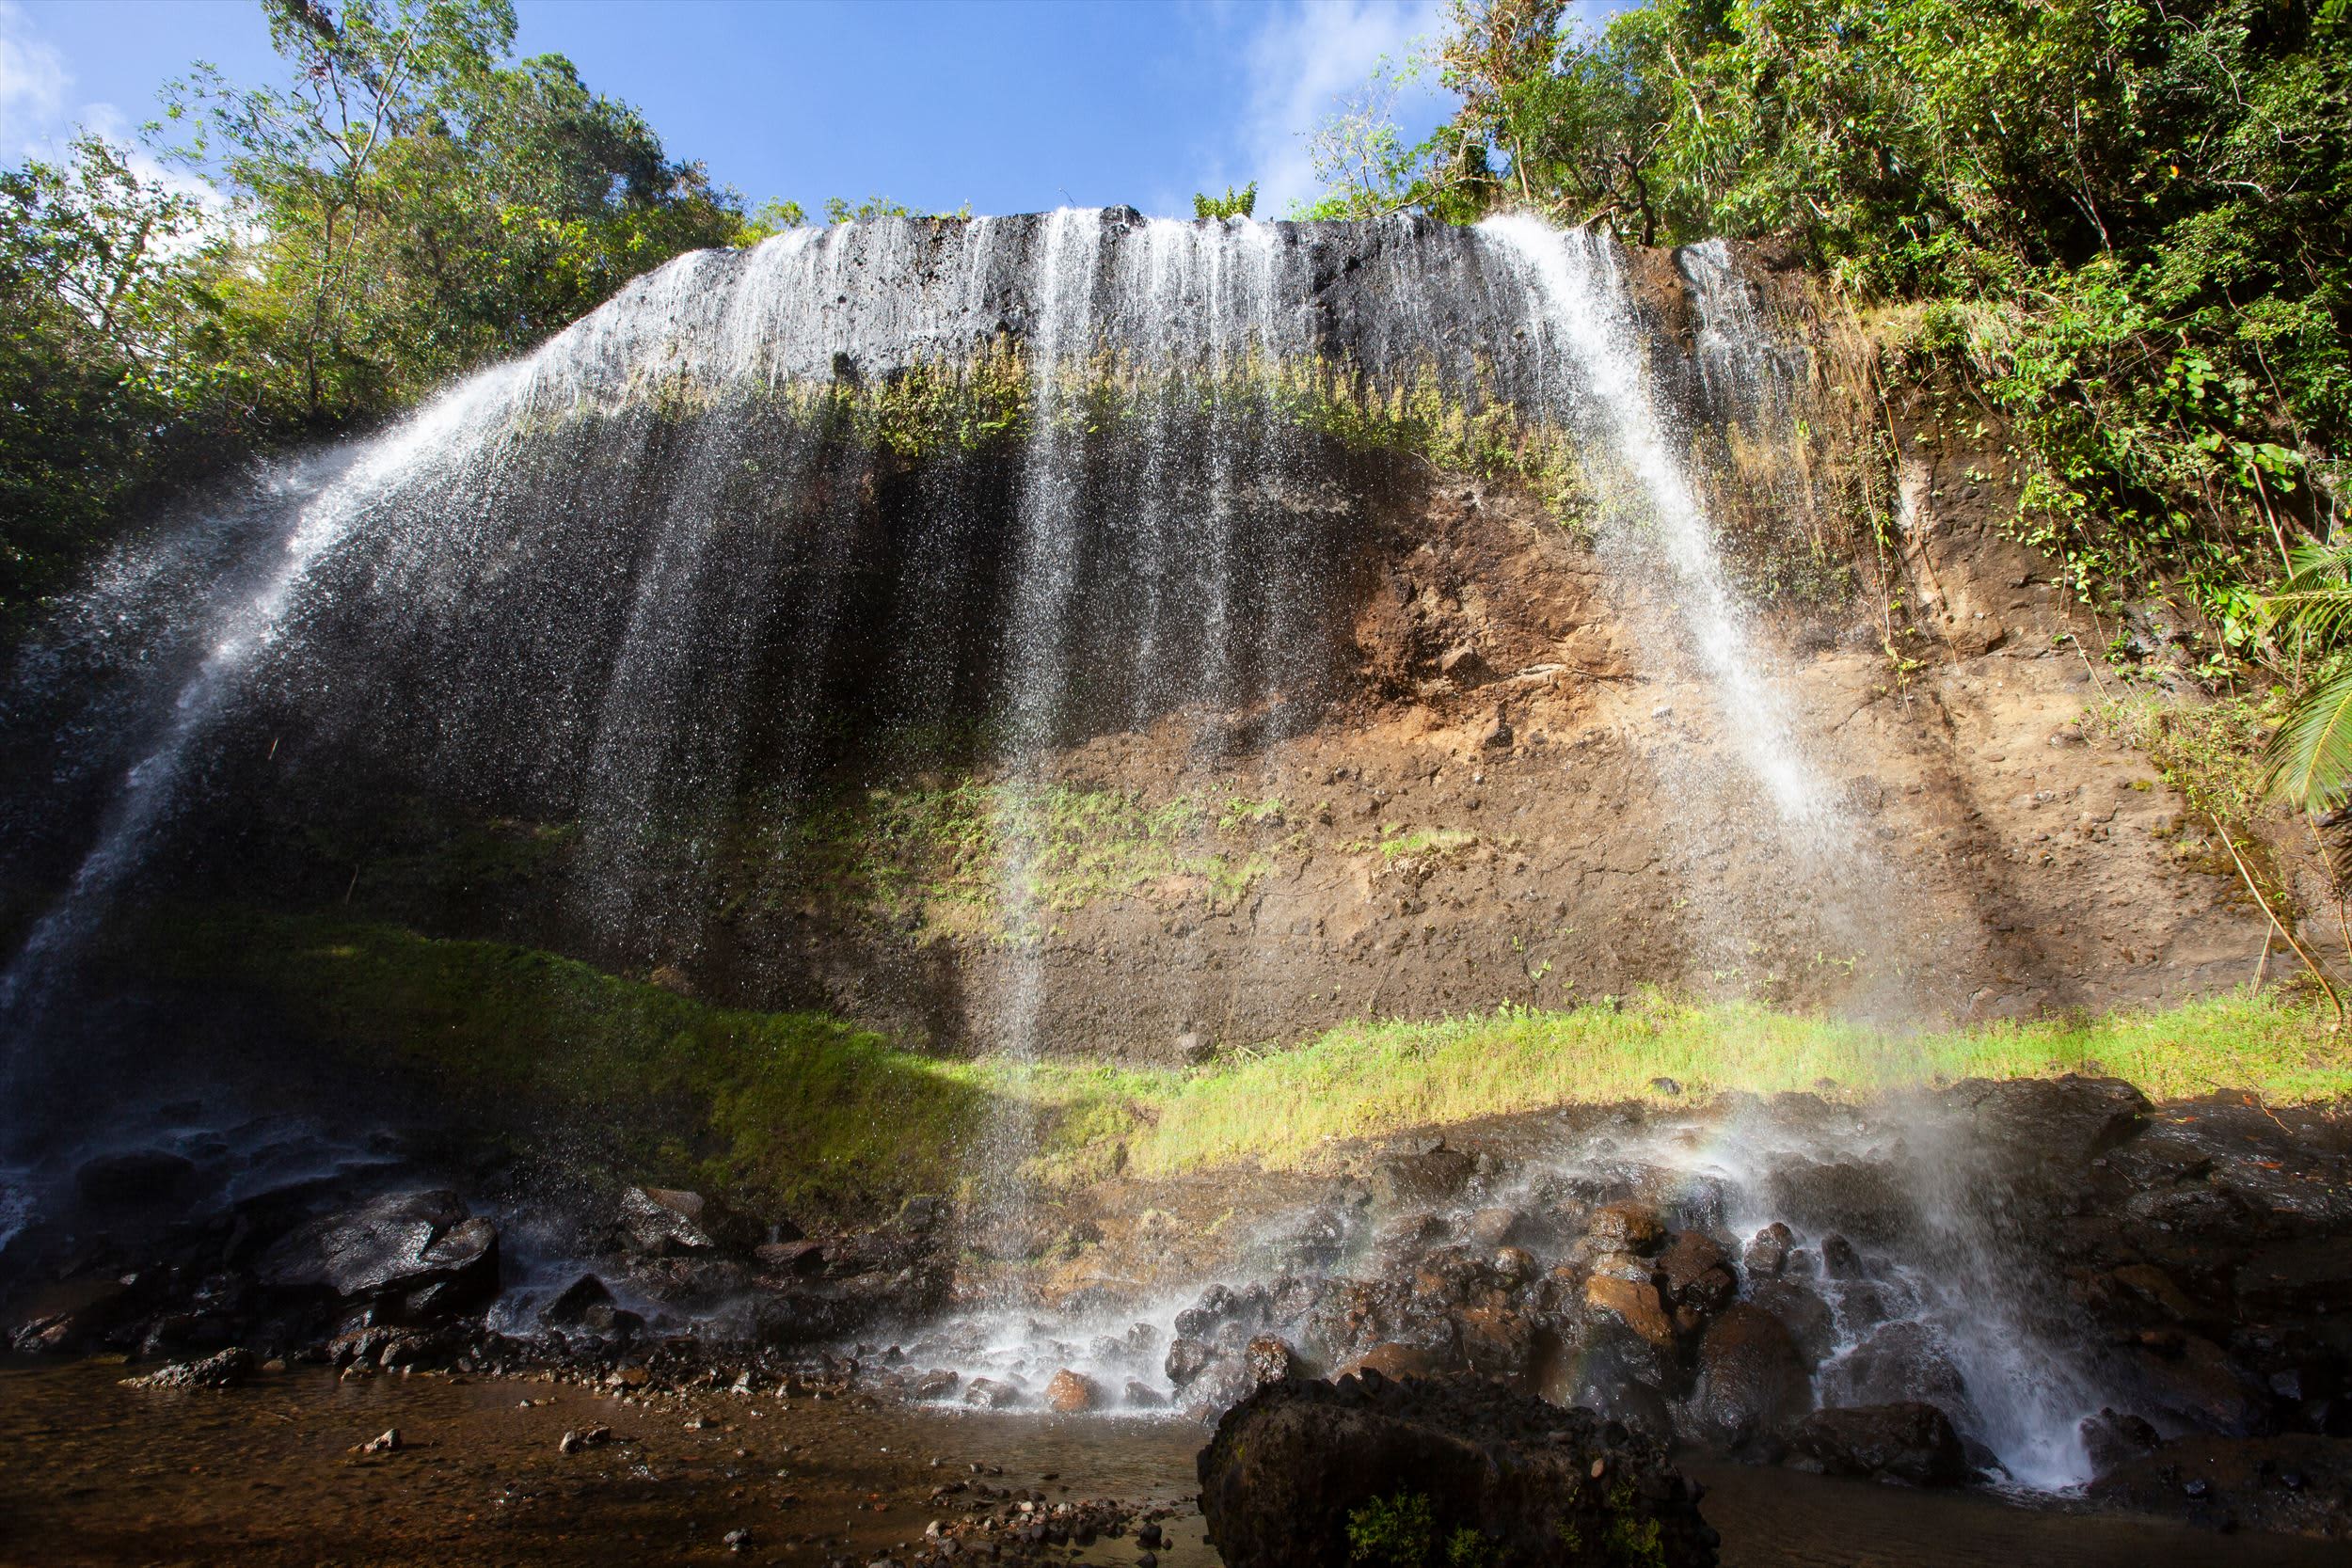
(408, 203)
(2130, 226)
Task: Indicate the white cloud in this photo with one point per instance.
(1302, 62)
(34, 82)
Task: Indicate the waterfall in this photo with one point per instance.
(1591, 351)
(769, 525)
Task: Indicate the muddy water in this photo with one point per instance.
(91, 1472)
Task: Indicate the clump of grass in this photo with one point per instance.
(1361, 1080)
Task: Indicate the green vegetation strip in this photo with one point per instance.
(788, 1108)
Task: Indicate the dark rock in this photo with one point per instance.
(225, 1370)
(2193, 1381)
(585, 1437)
(1900, 1363)
(1188, 1359)
(1433, 1175)
(2299, 1484)
(988, 1393)
(1142, 1396)
(935, 1384)
(2063, 1123)
(2111, 1439)
(398, 1245)
(790, 1258)
(1630, 1227)
(1767, 1253)
(1696, 1273)
(147, 1176)
(1753, 1380)
(1804, 1313)
(1839, 1261)
(572, 1304)
(662, 1222)
(1910, 1442)
(1293, 1464)
(1861, 1198)
(2306, 1279)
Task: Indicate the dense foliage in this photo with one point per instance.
(2129, 225)
(409, 202)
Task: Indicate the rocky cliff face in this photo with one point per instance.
(1088, 635)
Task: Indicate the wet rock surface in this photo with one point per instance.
(2181, 1265)
(1296, 1467)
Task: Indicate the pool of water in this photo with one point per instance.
(93, 1472)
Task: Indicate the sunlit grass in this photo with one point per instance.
(794, 1108)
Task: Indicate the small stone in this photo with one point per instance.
(737, 1540)
(385, 1442)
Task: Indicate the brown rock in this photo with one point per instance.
(1634, 1302)
(1697, 1273)
(1752, 1379)
(1633, 1227)
(1069, 1392)
(1393, 1358)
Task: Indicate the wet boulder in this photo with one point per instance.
(1766, 1255)
(1496, 1343)
(1802, 1313)
(2060, 1124)
(1437, 1469)
(1188, 1358)
(1696, 1273)
(425, 1247)
(1753, 1380)
(1860, 1198)
(1910, 1442)
(989, 1393)
(1635, 1304)
(1630, 1227)
(1070, 1392)
(2112, 1439)
(1899, 1363)
(1351, 1316)
(1428, 1173)
(661, 1222)
(572, 1304)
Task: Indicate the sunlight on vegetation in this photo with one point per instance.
(789, 1107)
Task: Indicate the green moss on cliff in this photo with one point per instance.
(783, 1108)
(995, 861)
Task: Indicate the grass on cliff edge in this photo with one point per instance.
(792, 1108)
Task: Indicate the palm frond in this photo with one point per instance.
(2308, 763)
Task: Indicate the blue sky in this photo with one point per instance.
(1010, 107)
